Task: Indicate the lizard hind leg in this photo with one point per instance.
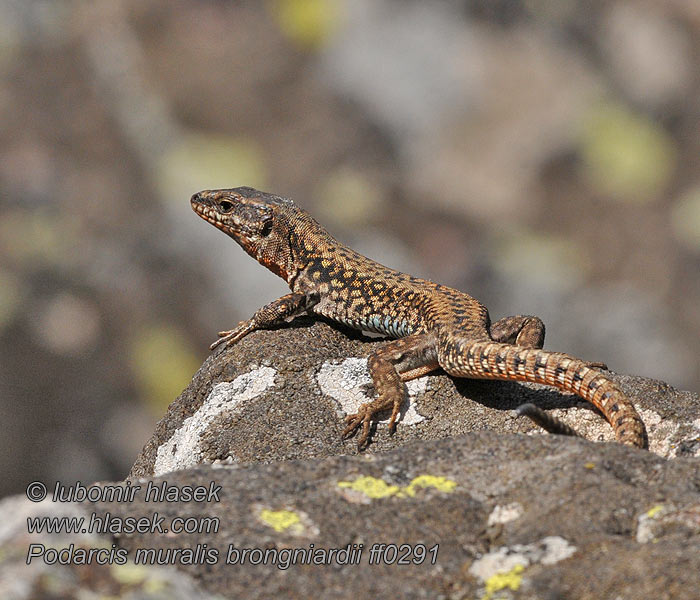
(412, 356)
(526, 331)
(520, 330)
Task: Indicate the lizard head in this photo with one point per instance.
(259, 222)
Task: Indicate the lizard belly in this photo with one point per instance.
(377, 323)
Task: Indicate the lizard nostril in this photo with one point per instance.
(195, 198)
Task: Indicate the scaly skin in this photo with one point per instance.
(436, 326)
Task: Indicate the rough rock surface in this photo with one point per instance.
(59, 570)
(282, 394)
(454, 505)
(476, 511)
(514, 516)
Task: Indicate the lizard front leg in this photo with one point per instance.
(398, 361)
(271, 314)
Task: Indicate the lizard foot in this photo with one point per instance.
(362, 417)
(228, 338)
(596, 365)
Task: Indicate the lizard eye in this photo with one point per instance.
(225, 206)
(266, 228)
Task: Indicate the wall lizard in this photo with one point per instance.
(435, 326)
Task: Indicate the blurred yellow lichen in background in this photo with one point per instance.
(129, 574)
(163, 362)
(308, 23)
(348, 197)
(38, 238)
(548, 260)
(685, 219)
(210, 161)
(625, 155)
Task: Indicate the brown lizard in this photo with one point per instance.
(436, 326)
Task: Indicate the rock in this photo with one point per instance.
(58, 565)
(282, 394)
(482, 515)
(459, 503)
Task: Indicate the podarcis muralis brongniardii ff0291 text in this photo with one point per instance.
(435, 326)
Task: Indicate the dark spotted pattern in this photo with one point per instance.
(438, 326)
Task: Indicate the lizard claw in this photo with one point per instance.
(228, 338)
(364, 418)
(392, 423)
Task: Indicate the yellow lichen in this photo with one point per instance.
(375, 488)
(155, 586)
(441, 484)
(371, 487)
(163, 360)
(500, 581)
(654, 510)
(129, 574)
(199, 160)
(309, 23)
(280, 520)
(626, 155)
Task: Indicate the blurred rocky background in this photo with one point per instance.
(543, 155)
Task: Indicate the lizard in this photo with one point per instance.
(432, 326)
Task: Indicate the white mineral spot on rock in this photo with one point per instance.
(548, 551)
(656, 521)
(346, 382)
(183, 449)
(554, 548)
(16, 510)
(661, 433)
(502, 560)
(505, 513)
(585, 421)
(223, 463)
(696, 425)
(645, 528)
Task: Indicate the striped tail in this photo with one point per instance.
(491, 360)
(545, 420)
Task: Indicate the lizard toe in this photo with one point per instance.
(363, 442)
(352, 422)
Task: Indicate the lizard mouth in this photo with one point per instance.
(210, 215)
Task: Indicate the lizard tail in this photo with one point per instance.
(545, 420)
(492, 360)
